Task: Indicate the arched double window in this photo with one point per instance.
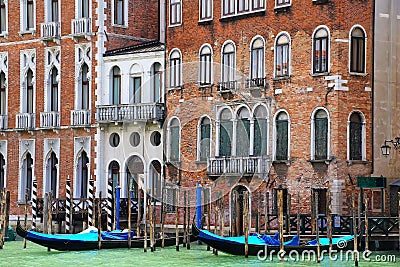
(260, 131)
(205, 65)
(243, 132)
(357, 50)
(82, 175)
(321, 50)
(53, 90)
(116, 86)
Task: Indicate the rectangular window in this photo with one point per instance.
(260, 137)
(136, 93)
(321, 55)
(119, 17)
(54, 16)
(175, 72)
(3, 17)
(357, 56)
(170, 201)
(257, 63)
(205, 69)
(228, 72)
(175, 12)
(225, 138)
(242, 6)
(258, 4)
(279, 3)
(205, 9)
(355, 140)
(174, 143)
(282, 60)
(29, 15)
(3, 96)
(205, 141)
(376, 203)
(84, 8)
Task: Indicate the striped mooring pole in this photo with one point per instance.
(90, 202)
(109, 204)
(68, 207)
(34, 204)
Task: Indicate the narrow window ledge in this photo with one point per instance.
(4, 34)
(120, 26)
(361, 74)
(33, 32)
(23, 203)
(281, 78)
(282, 8)
(320, 74)
(326, 161)
(280, 161)
(205, 86)
(353, 162)
(205, 21)
(229, 17)
(175, 25)
(175, 88)
(320, 2)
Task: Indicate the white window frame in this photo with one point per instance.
(199, 136)
(27, 61)
(53, 53)
(328, 48)
(217, 130)
(234, 11)
(48, 10)
(255, 38)
(125, 14)
(23, 18)
(282, 3)
(312, 141)
(365, 50)
(172, 71)
(78, 9)
(4, 33)
(234, 61)
(289, 54)
(4, 69)
(210, 5)
(274, 133)
(178, 21)
(363, 136)
(201, 65)
(83, 55)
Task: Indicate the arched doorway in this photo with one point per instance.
(155, 180)
(237, 207)
(113, 173)
(134, 169)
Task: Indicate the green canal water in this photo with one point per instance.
(13, 254)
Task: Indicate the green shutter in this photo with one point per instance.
(260, 137)
(355, 140)
(174, 144)
(282, 140)
(204, 141)
(243, 138)
(321, 138)
(225, 138)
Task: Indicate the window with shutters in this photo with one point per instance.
(83, 9)
(282, 54)
(136, 90)
(260, 131)
(238, 7)
(357, 50)
(356, 138)
(225, 133)
(174, 140)
(204, 139)
(175, 12)
(205, 65)
(257, 59)
(156, 75)
(282, 136)
(52, 11)
(115, 93)
(175, 69)
(243, 133)
(321, 135)
(321, 51)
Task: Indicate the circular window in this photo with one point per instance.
(155, 138)
(134, 139)
(114, 139)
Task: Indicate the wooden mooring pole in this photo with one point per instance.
(298, 215)
(215, 222)
(366, 222)
(2, 218)
(139, 203)
(208, 219)
(188, 222)
(353, 209)
(130, 218)
(146, 209)
(151, 222)
(184, 218)
(280, 222)
(398, 211)
(163, 212)
(177, 220)
(246, 223)
(317, 226)
(266, 213)
(49, 213)
(329, 218)
(99, 221)
(7, 214)
(26, 213)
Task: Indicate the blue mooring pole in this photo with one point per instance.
(198, 205)
(117, 205)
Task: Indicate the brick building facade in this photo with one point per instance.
(269, 94)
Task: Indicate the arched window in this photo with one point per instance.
(113, 172)
(28, 105)
(174, 140)
(116, 86)
(3, 94)
(225, 133)
(156, 74)
(2, 171)
(82, 173)
(356, 136)
(52, 174)
(84, 94)
(243, 133)
(260, 131)
(282, 63)
(204, 139)
(228, 62)
(357, 50)
(175, 69)
(26, 177)
(155, 180)
(134, 169)
(205, 65)
(53, 92)
(321, 52)
(282, 136)
(257, 59)
(320, 135)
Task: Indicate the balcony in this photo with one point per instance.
(3, 122)
(130, 112)
(239, 166)
(25, 121)
(81, 118)
(227, 88)
(50, 30)
(256, 83)
(81, 27)
(50, 119)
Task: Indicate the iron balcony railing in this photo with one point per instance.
(130, 112)
(50, 119)
(81, 27)
(25, 121)
(229, 86)
(50, 30)
(3, 122)
(81, 117)
(256, 83)
(238, 165)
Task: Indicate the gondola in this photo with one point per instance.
(88, 240)
(259, 244)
